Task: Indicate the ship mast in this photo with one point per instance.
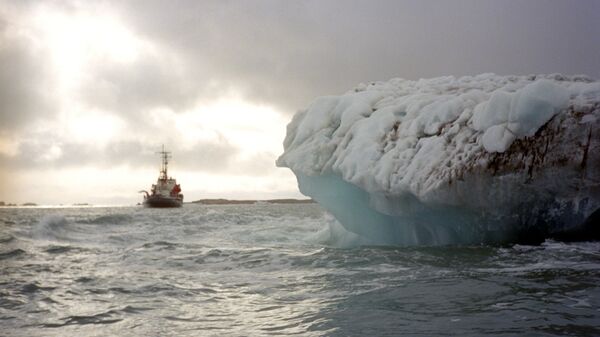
(165, 161)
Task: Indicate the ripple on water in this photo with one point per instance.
(6, 238)
(108, 317)
(34, 287)
(12, 254)
(160, 245)
(56, 249)
(111, 219)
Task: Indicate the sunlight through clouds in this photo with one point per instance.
(78, 40)
(249, 127)
(74, 39)
(94, 127)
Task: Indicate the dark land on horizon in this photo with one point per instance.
(247, 202)
(2, 203)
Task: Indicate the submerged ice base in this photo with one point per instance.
(453, 161)
(411, 222)
(353, 208)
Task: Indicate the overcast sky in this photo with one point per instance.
(89, 90)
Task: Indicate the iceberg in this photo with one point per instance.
(469, 160)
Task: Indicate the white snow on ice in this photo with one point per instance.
(402, 142)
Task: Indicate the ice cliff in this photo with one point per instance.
(452, 160)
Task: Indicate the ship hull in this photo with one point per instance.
(157, 201)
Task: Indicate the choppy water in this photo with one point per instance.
(258, 270)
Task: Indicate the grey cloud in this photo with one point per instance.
(132, 89)
(201, 156)
(260, 164)
(33, 154)
(270, 52)
(25, 83)
(206, 157)
(286, 53)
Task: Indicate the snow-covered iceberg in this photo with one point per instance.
(450, 160)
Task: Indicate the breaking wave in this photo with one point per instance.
(50, 227)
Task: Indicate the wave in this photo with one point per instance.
(34, 287)
(108, 317)
(55, 227)
(6, 238)
(50, 227)
(111, 219)
(333, 234)
(11, 254)
(60, 249)
(159, 245)
(53, 221)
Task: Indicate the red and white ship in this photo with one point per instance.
(166, 192)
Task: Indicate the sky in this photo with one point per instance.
(90, 90)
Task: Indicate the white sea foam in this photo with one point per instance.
(49, 227)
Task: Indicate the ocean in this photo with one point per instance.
(267, 269)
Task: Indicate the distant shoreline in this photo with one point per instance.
(2, 203)
(249, 202)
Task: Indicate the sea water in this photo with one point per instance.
(259, 270)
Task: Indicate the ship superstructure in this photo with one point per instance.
(166, 192)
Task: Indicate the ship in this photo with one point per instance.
(166, 192)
